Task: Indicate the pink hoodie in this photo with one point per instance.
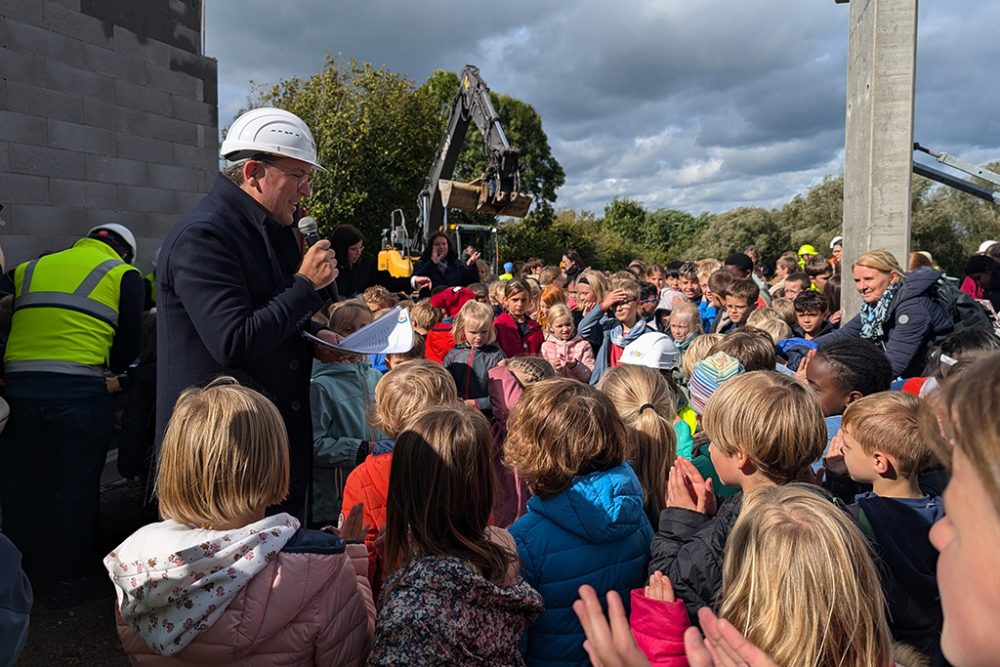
(576, 349)
(309, 603)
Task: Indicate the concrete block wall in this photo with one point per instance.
(108, 113)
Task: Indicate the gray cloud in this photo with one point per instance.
(696, 105)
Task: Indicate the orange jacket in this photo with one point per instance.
(369, 484)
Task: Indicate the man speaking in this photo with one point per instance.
(233, 287)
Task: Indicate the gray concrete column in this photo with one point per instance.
(881, 67)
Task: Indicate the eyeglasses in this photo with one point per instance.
(303, 178)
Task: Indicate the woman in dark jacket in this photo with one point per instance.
(899, 312)
(441, 264)
(357, 272)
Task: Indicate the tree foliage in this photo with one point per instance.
(378, 133)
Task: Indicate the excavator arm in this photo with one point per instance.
(497, 190)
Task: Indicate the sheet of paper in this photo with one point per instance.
(390, 334)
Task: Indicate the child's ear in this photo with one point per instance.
(851, 397)
(881, 463)
(743, 462)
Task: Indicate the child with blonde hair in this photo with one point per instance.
(799, 585)
(217, 581)
(765, 429)
(570, 355)
(474, 354)
(516, 332)
(776, 329)
(454, 596)
(585, 522)
(613, 325)
(881, 444)
(404, 393)
(645, 403)
(340, 398)
(699, 348)
(685, 325)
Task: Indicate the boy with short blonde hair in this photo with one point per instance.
(882, 445)
(765, 428)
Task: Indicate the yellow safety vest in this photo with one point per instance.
(66, 311)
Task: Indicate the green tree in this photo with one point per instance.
(374, 134)
(626, 217)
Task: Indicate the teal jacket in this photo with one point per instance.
(341, 395)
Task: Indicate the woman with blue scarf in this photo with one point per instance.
(899, 312)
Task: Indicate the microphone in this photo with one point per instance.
(310, 231)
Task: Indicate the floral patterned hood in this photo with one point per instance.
(173, 581)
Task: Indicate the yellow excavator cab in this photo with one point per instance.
(395, 263)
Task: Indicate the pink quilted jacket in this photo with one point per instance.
(301, 609)
(658, 628)
(576, 349)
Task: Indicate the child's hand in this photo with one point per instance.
(722, 646)
(607, 645)
(834, 459)
(352, 529)
(800, 372)
(613, 298)
(559, 364)
(659, 587)
(471, 402)
(687, 489)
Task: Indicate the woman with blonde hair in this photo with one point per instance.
(454, 595)
(899, 312)
(646, 405)
(217, 581)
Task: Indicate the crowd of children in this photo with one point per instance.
(675, 448)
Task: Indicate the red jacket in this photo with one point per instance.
(512, 342)
(369, 484)
(658, 628)
(438, 342)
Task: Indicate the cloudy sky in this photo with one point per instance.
(690, 104)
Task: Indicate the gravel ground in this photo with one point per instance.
(85, 634)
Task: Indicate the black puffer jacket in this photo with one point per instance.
(688, 548)
(914, 320)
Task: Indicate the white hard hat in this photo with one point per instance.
(121, 230)
(271, 131)
(653, 350)
(837, 240)
(985, 245)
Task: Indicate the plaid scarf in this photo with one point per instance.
(874, 315)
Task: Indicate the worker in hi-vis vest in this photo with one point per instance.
(77, 315)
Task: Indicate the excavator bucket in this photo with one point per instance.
(475, 197)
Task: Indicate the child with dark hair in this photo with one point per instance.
(811, 313)
(649, 298)
(741, 300)
(795, 284)
(819, 271)
(714, 287)
(674, 275)
(688, 281)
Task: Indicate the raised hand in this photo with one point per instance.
(687, 489)
(607, 645)
(353, 528)
(319, 266)
(659, 588)
(613, 298)
(722, 646)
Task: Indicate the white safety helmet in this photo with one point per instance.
(653, 350)
(985, 245)
(837, 240)
(272, 131)
(121, 230)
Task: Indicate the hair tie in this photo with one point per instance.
(646, 406)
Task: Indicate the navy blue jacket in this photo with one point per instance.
(913, 322)
(229, 303)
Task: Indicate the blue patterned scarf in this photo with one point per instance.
(873, 315)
